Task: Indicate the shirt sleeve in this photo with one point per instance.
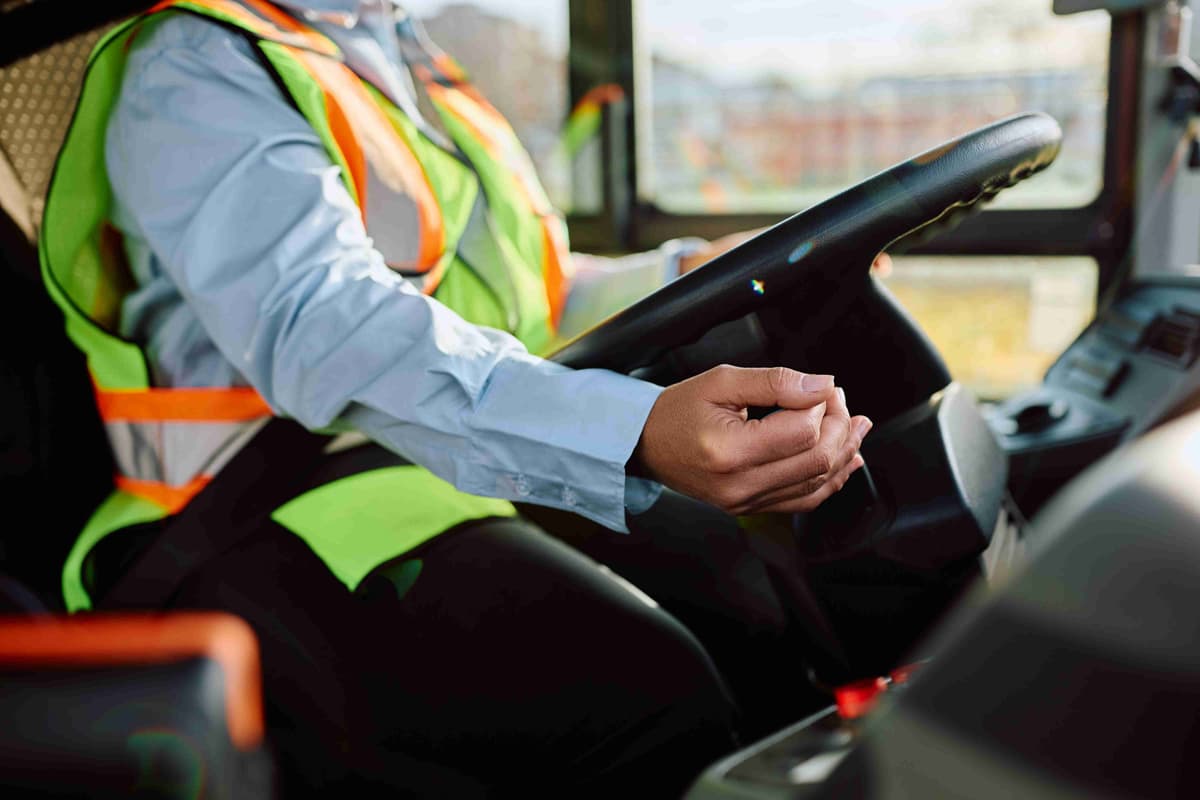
(229, 188)
(604, 285)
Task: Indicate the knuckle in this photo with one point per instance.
(810, 433)
(723, 372)
(709, 452)
(777, 379)
(805, 487)
(719, 460)
(822, 461)
(812, 485)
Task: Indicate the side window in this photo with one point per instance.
(781, 105)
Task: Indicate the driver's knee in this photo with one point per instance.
(678, 717)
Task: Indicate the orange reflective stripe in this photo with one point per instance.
(94, 639)
(453, 72)
(181, 405)
(496, 135)
(449, 67)
(433, 277)
(385, 148)
(297, 37)
(554, 267)
(347, 142)
(386, 152)
(171, 498)
(280, 17)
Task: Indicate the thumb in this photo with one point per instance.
(740, 387)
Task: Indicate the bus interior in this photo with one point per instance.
(1028, 352)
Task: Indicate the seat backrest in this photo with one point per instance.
(55, 465)
(37, 100)
(157, 705)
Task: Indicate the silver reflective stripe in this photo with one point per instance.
(392, 221)
(175, 453)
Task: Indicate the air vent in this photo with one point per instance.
(1175, 337)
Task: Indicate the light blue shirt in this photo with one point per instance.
(253, 267)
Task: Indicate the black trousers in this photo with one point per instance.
(495, 656)
(746, 602)
(512, 666)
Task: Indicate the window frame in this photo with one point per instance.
(603, 48)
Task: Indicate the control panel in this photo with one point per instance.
(1136, 365)
(1133, 367)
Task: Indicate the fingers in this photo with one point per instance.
(828, 489)
(804, 474)
(698, 440)
(795, 503)
(835, 426)
(781, 435)
(788, 433)
(740, 387)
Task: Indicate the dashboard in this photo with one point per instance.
(1134, 368)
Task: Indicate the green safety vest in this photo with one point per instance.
(490, 247)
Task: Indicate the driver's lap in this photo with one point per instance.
(512, 663)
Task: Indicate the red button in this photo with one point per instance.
(854, 700)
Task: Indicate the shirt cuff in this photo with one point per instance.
(567, 435)
(640, 494)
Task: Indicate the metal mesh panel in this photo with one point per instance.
(37, 96)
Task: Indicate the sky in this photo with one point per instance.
(816, 40)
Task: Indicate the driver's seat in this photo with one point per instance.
(55, 465)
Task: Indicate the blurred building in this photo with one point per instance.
(772, 143)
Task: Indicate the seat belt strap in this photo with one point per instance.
(267, 472)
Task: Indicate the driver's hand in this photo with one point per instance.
(699, 440)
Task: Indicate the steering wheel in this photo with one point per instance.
(814, 266)
(893, 549)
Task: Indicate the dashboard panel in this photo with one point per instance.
(1134, 367)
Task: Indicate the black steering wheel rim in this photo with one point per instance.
(821, 241)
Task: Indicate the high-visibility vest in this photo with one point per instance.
(489, 246)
